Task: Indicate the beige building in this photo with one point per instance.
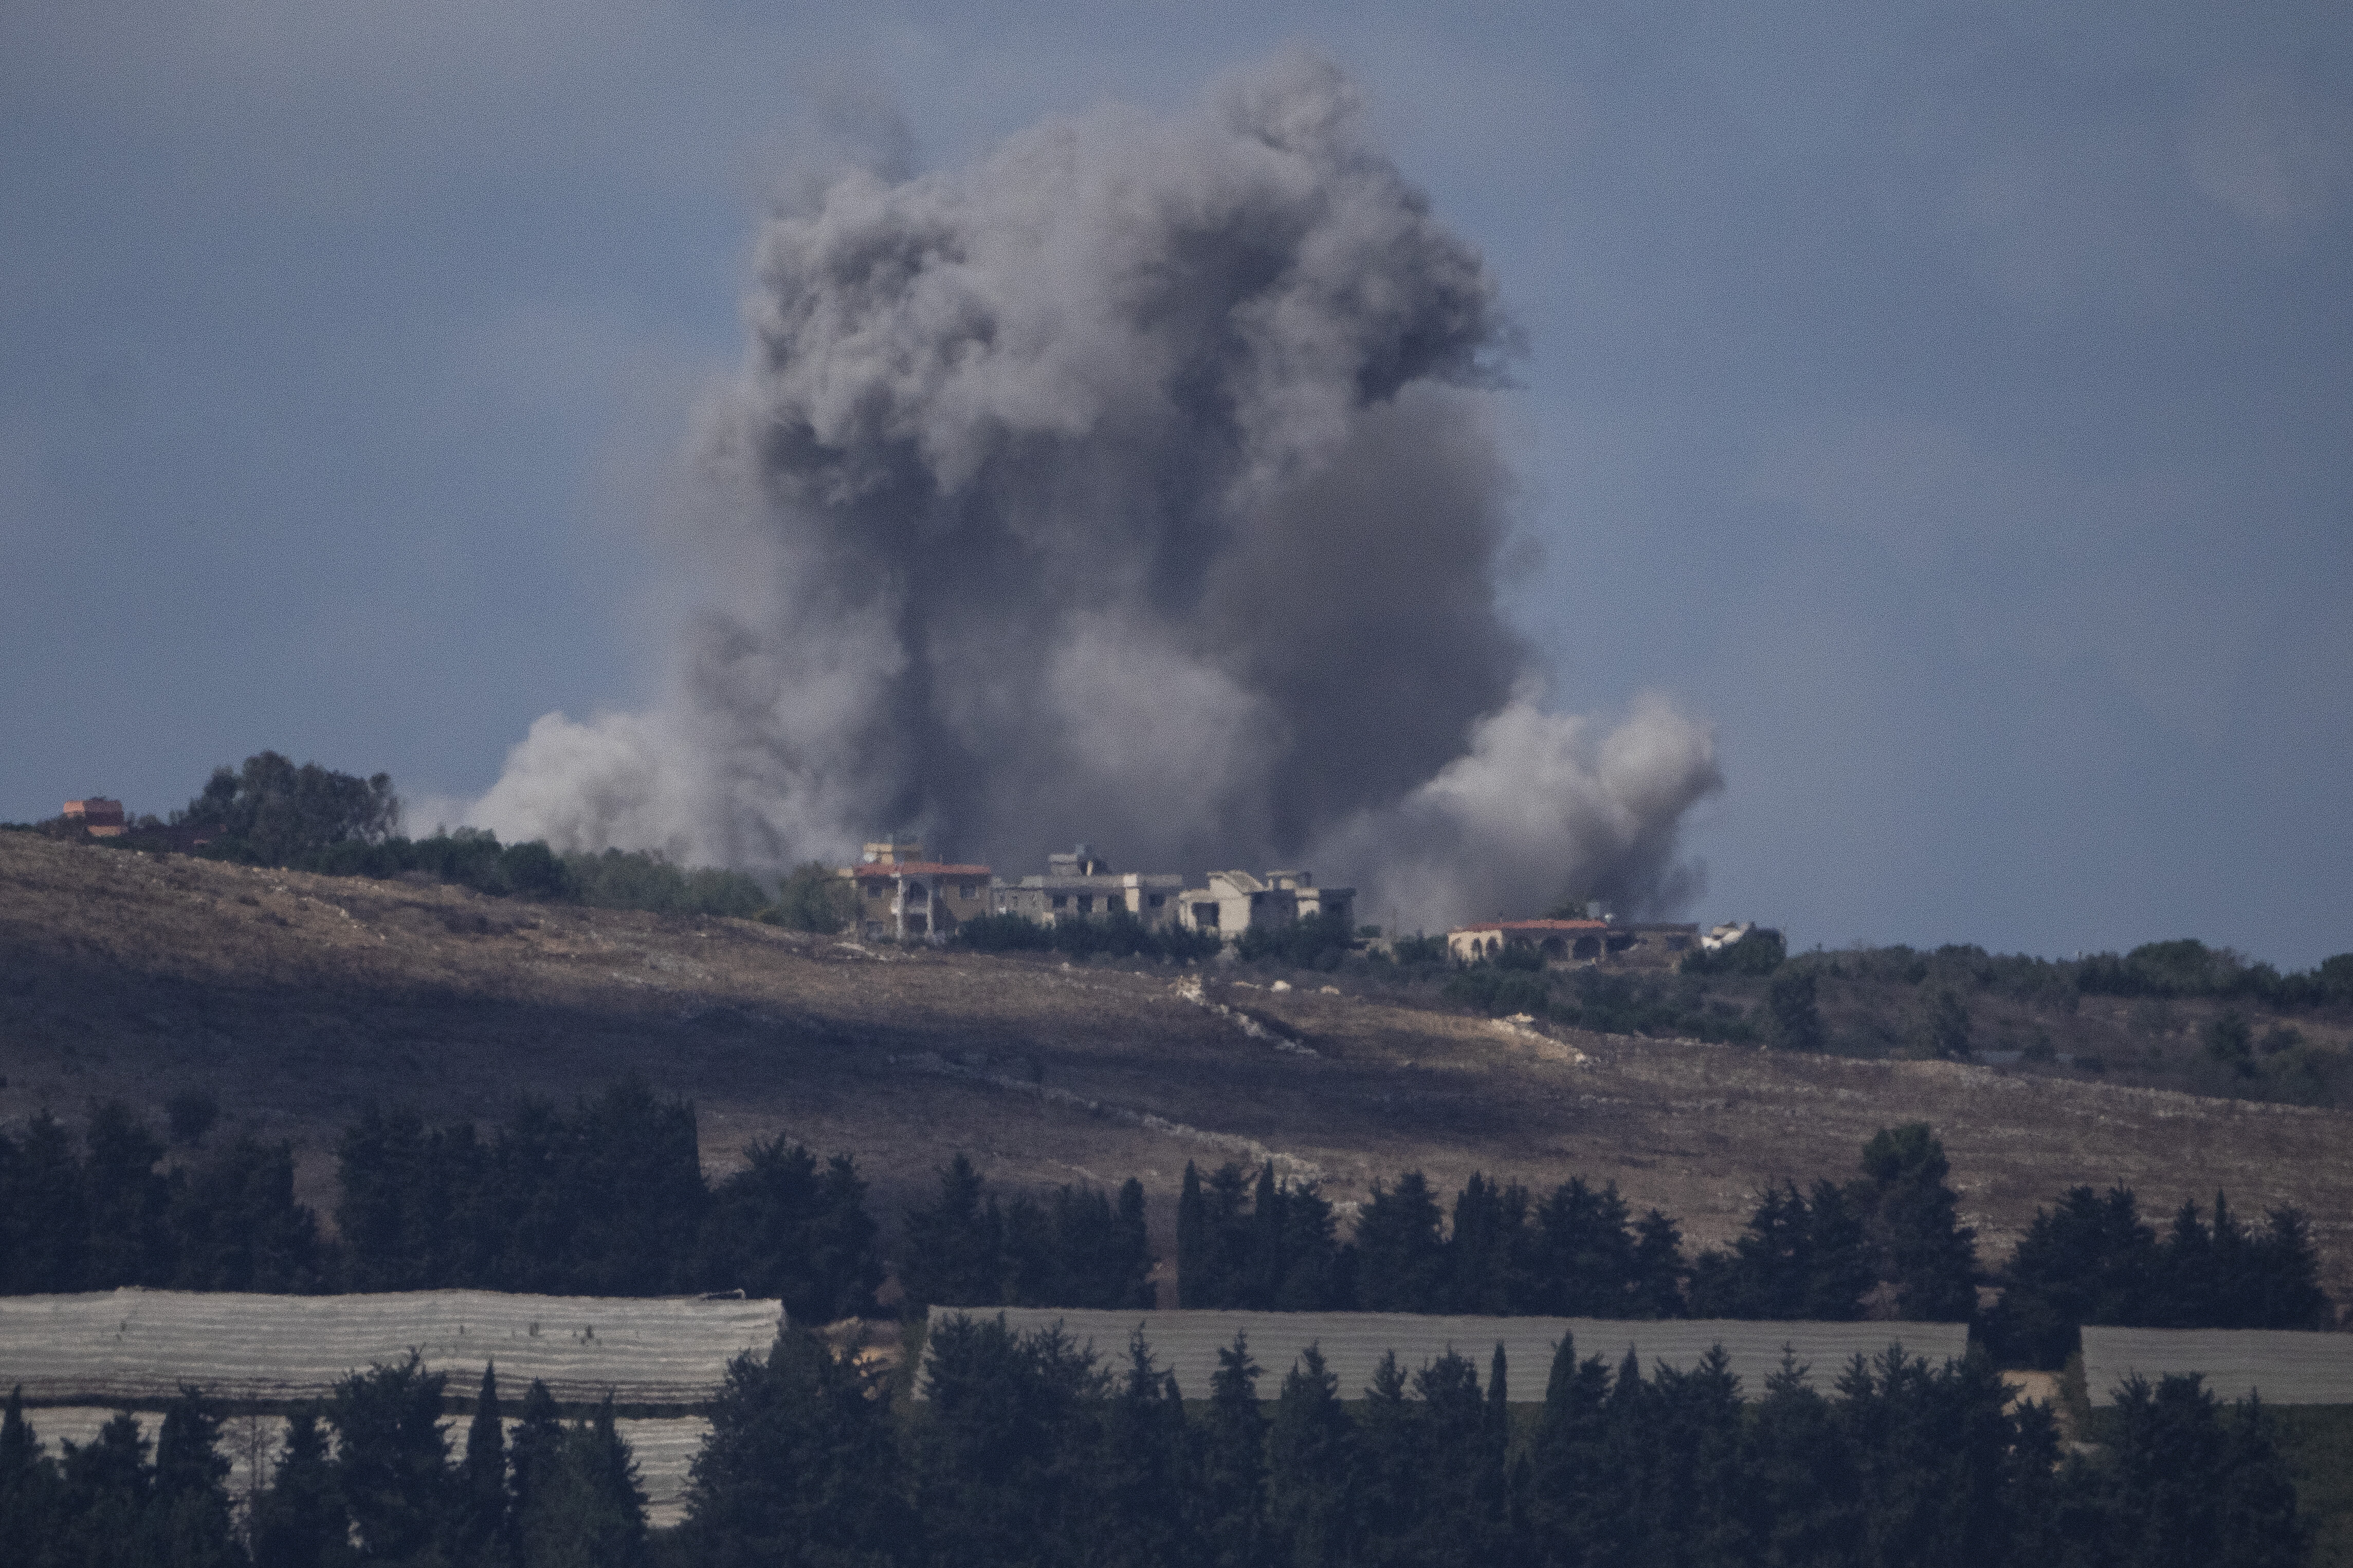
(100, 818)
(1081, 885)
(896, 894)
(1232, 903)
(1574, 942)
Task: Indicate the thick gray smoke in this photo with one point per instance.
(1137, 485)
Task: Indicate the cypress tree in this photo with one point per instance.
(1311, 1464)
(1132, 1251)
(1316, 1270)
(1007, 1456)
(1192, 1242)
(482, 1509)
(2282, 1276)
(2260, 1524)
(300, 1521)
(1566, 1482)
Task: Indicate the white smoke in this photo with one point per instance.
(1134, 484)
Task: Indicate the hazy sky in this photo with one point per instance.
(1952, 404)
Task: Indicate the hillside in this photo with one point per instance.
(296, 999)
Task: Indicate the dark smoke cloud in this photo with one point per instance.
(1137, 485)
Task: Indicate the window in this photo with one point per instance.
(1061, 900)
(1205, 916)
(964, 889)
(1086, 904)
(874, 889)
(1158, 899)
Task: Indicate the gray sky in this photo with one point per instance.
(1950, 403)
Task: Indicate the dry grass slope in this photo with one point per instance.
(296, 999)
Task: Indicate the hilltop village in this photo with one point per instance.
(897, 894)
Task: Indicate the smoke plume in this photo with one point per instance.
(1135, 484)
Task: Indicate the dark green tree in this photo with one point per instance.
(1312, 1504)
(1911, 1220)
(191, 1527)
(481, 1507)
(128, 1202)
(954, 1250)
(1228, 1491)
(802, 1469)
(392, 1461)
(2090, 1259)
(1144, 1517)
(586, 1508)
(1566, 1496)
(300, 1521)
(271, 813)
(1793, 1021)
(31, 1509)
(236, 1225)
(1007, 1458)
(783, 1228)
(1401, 1263)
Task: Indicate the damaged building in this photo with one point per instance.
(1081, 885)
(1232, 903)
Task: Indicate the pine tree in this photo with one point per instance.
(391, 1459)
(130, 1235)
(107, 1489)
(954, 1255)
(2281, 1277)
(1230, 1488)
(44, 1212)
(586, 1508)
(30, 1507)
(532, 1455)
(191, 1505)
(1143, 1518)
(1391, 1471)
(1317, 1272)
(1911, 1222)
(1007, 1451)
(1402, 1258)
(802, 1467)
(300, 1521)
(1311, 1512)
(2259, 1525)
(1490, 1252)
(1801, 1503)
(2090, 1259)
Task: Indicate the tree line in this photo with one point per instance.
(605, 1198)
(364, 1477)
(1028, 1451)
(608, 1198)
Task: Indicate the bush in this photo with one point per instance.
(1315, 942)
(813, 899)
(271, 813)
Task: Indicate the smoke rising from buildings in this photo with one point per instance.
(1137, 484)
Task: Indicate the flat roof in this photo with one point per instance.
(1536, 925)
(914, 868)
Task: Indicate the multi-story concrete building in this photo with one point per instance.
(103, 818)
(895, 893)
(1574, 942)
(1081, 885)
(1232, 903)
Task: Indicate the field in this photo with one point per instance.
(295, 1000)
